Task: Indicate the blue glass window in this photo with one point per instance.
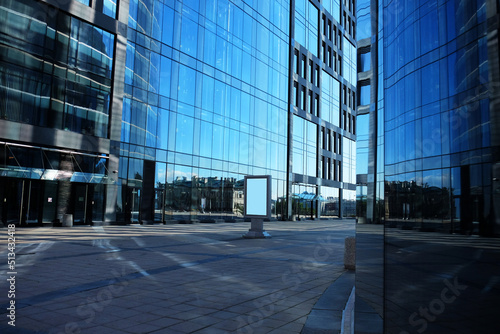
(221, 54)
(313, 27)
(209, 48)
(193, 4)
(109, 8)
(144, 16)
(184, 134)
(138, 117)
(64, 99)
(165, 75)
(333, 7)
(363, 18)
(330, 102)
(141, 67)
(431, 144)
(349, 64)
(364, 95)
(189, 37)
(187, 85)
(362, 135)
(219, 97)
(126, 119)
(237, 22)
(218, 142)
(307, 34)
(154, 72)
(429, 37)
(236, 62)
(365, 62)
(300, 32)
(206, 139)
(151, 124)
(168, 25)
(235, 103)
(208, 93)
(222, 13)
(304, 146)
(163, 121)
(211, 10)
(430, 83)
(157, 20)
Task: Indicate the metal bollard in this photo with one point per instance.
(350, 253)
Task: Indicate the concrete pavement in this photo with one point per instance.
(200, 278)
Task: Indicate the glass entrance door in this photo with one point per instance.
(21, 201)
(50, 197)
(32, 201)
(135, 204)
(88, 203)
(80, 203)
(159, 211)
(11, 191)
(132, 205)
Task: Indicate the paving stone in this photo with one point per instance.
(174, 278)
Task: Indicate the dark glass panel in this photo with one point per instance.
(431, 144)
(429, 36)
(430, 83)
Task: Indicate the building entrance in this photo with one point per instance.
(26, 202)
(132, 205)
(20, 201)
(159, 210)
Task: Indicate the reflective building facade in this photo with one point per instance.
(154, 111)
(428, 153)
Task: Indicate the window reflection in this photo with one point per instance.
(212, 99)
(189, 37)
(75, 94)
(307, 34)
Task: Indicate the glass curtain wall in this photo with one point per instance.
(430, 267)
(56, 74)
(369, 306)
(438, 138)
(206, 101)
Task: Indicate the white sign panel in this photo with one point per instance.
(256, 197)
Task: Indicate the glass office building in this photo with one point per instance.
(154, 111)
(428, 153)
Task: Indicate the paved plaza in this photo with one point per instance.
(177, 278)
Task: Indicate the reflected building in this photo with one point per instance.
(427, 173)
(154, 111)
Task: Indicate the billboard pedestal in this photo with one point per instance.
(256, 230)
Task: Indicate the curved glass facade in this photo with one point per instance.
(428, 119)
(437, 149)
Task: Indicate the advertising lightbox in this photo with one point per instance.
(257, 194)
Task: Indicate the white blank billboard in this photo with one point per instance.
(257, 196)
